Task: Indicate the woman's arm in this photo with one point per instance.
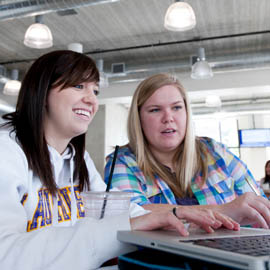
(237, 170)
(86, 245)
(247, 209)
(127, 176)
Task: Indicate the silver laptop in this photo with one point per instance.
(245, 249)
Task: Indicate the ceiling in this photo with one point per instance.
(234, 33)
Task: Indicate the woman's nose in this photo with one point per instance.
(167, 117)
(90, 97)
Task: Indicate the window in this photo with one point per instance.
(207, 128)
(229, 132)
(223, 130)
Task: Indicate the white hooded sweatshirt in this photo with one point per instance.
(38, 233)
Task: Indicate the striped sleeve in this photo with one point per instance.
(127, 177)
(238, 171)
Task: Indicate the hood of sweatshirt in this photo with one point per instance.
(63, 168)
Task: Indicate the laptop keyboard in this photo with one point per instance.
(247, 245)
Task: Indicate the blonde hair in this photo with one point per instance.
(187, 160)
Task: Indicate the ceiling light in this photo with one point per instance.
(38, 35)
(103, 78)
(212, 101)
(179, 17)
(6, 107)
(75, 47)
(13, 86)
(201, 69)
(3, 79)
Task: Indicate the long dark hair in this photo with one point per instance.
(66, 68)
(267, 176)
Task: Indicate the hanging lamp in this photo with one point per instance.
(179, 17)
(38, 35)
(201, 68)
(13, 86)
(75, 47)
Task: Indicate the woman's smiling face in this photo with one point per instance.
(70, 110)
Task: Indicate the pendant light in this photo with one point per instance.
(38, 35)
(5, 107)
(179, 17)
(201, 69)
(13, 86)
(75, 47)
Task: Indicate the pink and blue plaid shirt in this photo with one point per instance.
(227, 178)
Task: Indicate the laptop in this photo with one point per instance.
(248, 248)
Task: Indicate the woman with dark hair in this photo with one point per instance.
(44, 167)
(265, 181)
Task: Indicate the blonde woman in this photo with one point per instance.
(165, 164)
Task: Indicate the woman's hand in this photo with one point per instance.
(206, 219)
(249, 209)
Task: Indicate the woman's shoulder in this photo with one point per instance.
(210, 142)
(89, 161)
(213, 147)
(124, 152)
(10, 149)
(207, 140)
(8, 138)
(5, 130)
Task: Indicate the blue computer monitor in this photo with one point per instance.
(259, 137)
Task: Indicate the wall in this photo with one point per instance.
(106, 130)
(95, 139)
(116, 126)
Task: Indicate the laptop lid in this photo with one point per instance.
(191, 246)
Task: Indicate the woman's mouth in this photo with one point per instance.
(83, 114)
(168, 131)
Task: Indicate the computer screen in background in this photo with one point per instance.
(254, 137)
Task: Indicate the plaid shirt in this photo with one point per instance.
(227, 177)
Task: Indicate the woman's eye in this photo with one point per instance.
(96, 92)
(176, 108)
(154, 110)
(79, 86)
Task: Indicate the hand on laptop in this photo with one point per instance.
(249, 209)
(206, 219)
